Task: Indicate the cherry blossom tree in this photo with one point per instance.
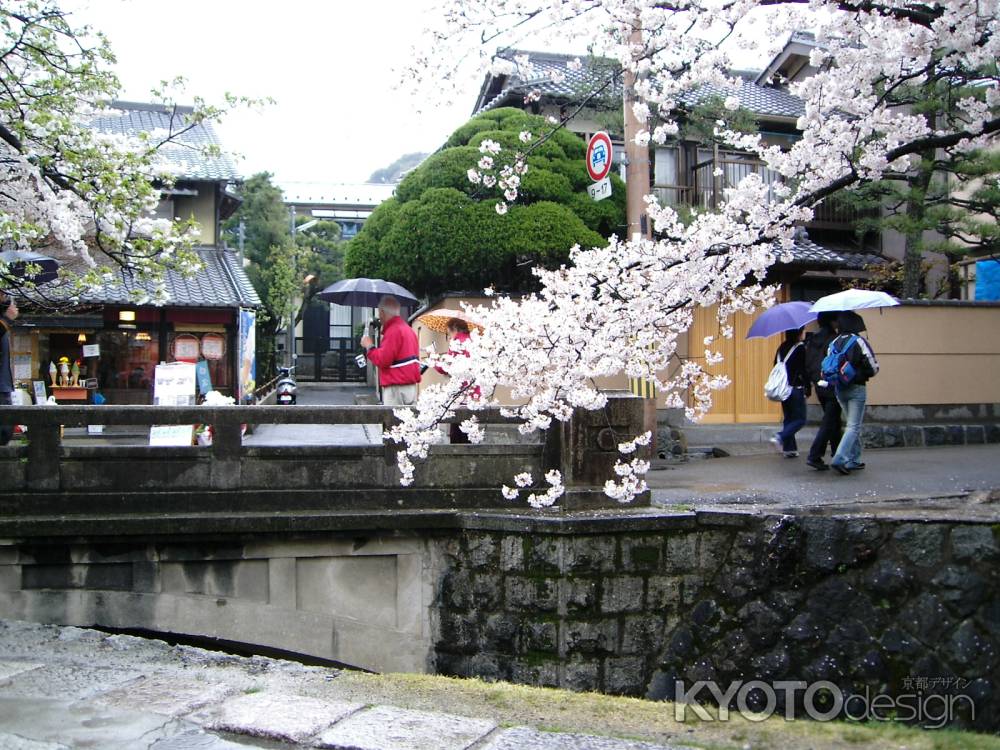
(621, 309)
(85, 197)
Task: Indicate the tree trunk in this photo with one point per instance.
(913, 256)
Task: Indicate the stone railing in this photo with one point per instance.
(46, 473)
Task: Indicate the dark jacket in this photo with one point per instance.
(861, 357)
(6, 374)
(816, 348)
(796, 364)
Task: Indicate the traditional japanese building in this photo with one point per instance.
(207, 318)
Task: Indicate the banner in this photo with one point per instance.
(247, 343)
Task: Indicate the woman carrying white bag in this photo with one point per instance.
(789, 384)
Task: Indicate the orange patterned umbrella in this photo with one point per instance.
(438, 320)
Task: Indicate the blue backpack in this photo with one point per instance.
(836, 370)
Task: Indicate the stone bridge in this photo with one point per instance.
(310, 549)
(317, 550)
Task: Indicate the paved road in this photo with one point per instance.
(66, 688)
(319, 394)
(773, 479)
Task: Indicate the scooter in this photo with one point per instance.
(286, 387)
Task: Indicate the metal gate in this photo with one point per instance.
(330, 360)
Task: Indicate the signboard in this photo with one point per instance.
(599, 156)
(203, 376)
(171, 434)
(21, 366)
(91, 350)
(600, 190)
(247, 375)
(186, 348)
(213, 346)
(173, 385)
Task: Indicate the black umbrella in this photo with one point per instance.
(365, 293)
(18, 262)
(849, 321)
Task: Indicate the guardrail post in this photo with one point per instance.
(227, 442)
(44, 456)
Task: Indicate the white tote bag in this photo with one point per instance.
(777, 388)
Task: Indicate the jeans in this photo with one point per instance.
(829, 432)
(793, 409)
(852, 401)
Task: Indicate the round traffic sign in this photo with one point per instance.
(599, 156)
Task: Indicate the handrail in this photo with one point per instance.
(79, 416)
(235, 475)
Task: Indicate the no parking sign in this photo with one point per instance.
(599, 156)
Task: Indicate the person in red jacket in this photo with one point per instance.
(397, 358)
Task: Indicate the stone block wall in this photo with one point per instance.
(882, 435)
(882, 604)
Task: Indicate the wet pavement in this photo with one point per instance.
(66, 687)
(319, 394)
(772, 479)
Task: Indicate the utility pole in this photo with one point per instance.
(636, 157)
(636, 188)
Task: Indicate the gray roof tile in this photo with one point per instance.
(808, 253)
(761, 100)
(185, 156)
(220, 283)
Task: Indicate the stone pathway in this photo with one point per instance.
(66, 687)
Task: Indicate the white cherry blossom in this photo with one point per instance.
(621, 309)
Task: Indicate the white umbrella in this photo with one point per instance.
(853, 299)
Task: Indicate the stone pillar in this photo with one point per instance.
(588, 446)
(44, 455)
(227, 442)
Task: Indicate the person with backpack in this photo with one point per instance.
(829, 432)
(793, 408)
(850, 363)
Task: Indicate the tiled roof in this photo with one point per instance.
(185, 156)
(805, 252)
(761, 100)
(221, 283)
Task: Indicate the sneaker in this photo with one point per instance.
(776, 441)
(791, 454)
(840, 469)
(856, 466)
(818, 464)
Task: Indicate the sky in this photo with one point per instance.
(332, 66)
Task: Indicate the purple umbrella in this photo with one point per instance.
(365, 293)
(784, 317)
